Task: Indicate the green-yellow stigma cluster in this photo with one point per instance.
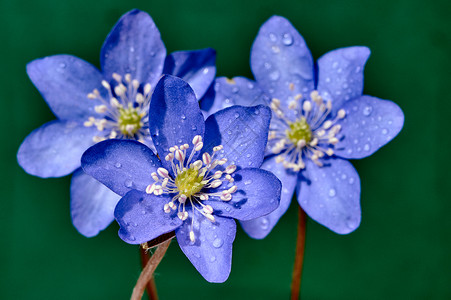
(299, 130)
(189, 182)
(130, 120)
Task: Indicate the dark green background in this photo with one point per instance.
(400, 251)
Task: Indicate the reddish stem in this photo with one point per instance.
(299, 257)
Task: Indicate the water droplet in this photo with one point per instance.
(274, 75)
(328, 79)
(132, 49)
(248, 155)
(118, 165)
(275, 49)
(205, 71)
(257, 112)
(237, 116)
(143, 212)
(229, 132)
(332, 192)
(367, 110)
(351, 180)
(357, 69)
(267, 65)
(250, 86)
(356, 141)
(272, 37)
(131, 238)
(217, 243)
(235, 90)
(287, 39)
(264, 223)
(62, 65)
(247, 182)
(128, 183)
(183, 117)
(366, 147)
(213, 259)
(343, 176)
(384, 131)
(335, 65)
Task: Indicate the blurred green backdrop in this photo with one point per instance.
(400, 251)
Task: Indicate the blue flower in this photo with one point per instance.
(208, 175)
(320, 119)
(92, 105)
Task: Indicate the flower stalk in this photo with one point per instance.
(299, 256)
(147, 273)
(151, 287)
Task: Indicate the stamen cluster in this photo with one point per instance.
(312, 135)
(124, 114)
(192, 181)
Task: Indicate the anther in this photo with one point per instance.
(191, 236)
(230, 169)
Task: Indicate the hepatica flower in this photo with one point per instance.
(320, 119)
(92, 106)
(206, 175)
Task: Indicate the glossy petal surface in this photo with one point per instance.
(330, 195)
(195, 67)
(211, 253)
(142, 218)
(258, 194)
(55, 148)
(243, 131)
(92, 204)
(175, 116)
(280, 60)
(134, 46)
(260, 227)
(370, 124)
(64, 81)
(340, 74)
(121, 165)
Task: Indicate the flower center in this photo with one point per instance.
(123, 112)
(311, 136)
(299, 130)
(194, 182)
(189, 182)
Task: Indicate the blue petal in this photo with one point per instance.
(142, 217)
(195, 67)
(330, 195)
(340, 74)
(55, 148)
(174, 116)
(236, 91)
(121, 165)
(370, 123)
(211, 253)
(243, 131)
(259, 228)
(258, 194)
(134, 46)
(92, 204)
(64, 81)
(280, 60)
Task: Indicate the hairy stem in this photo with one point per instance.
(151, 287)
(149, 269)
(299, 256)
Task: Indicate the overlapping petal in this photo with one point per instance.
(175, 116)
(55, 148)
(92, 204)
(134, 46)
(64, 81)
(195, 67)
(370, 124)
(259, 228)
(121, 165)
(340, 74)
(243, 131)
(257, 195)
(330, 194)
(281, 62)
(211, 253)
(142, 218)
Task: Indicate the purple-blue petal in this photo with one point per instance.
(235, 91)
(142, 218)
(92, 204)
(280, 60)
(64, 81)
(370, 123)
(243, 131)
(260, 227)
(134, 46)
(340, 74)
(211, 253)
(195, 67)
(55, 148)
(330, 194)
(121, 165)
(257, 195)
(174, 116)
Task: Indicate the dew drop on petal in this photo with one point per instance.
(213, 259)
(274, 75)
(367, 110)
(217, 243)
(287, 39)
(272, 37)
(332, 192)
(128, 183)
(264, 223)
(118, 165)
(366, 147)
(384, 131)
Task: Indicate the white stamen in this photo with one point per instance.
(191, 236)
